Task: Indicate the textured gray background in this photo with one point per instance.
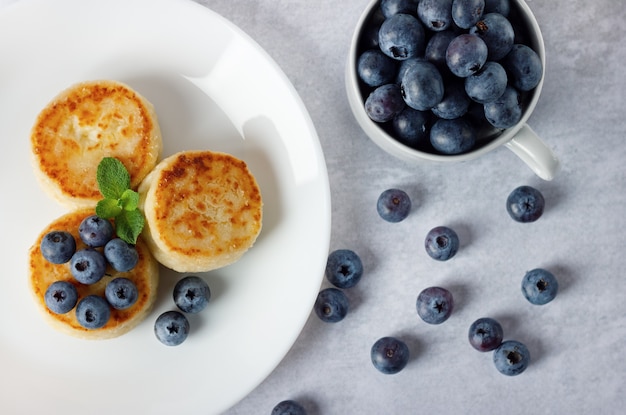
(576, 342)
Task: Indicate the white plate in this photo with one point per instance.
(213, 88)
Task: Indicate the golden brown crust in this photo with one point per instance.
(83, 124)
(203, 210)
(43, 273)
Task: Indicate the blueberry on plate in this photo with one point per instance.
(121, 293)
(61, 297)
(485, 334)
(511, 358)
(539, 286)
(389, 355)
(344, 268)
(441, 243)
(288, 407)
(95, 231)
(525, 204)
(393, 205)
(191, 294)
(93, 312)
(434, 305)
(121, 255)
(57, 247)
(331, 305)
(88, 266)
(171, 328)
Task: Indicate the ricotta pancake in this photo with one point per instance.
(203, 210)
(82, 125)
(42, 273)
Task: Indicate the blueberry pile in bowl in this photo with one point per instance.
(442, 77)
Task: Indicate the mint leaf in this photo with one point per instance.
(128, 224)
(129, 200)
(108, 208)
(113, 178)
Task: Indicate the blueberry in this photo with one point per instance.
(58, 247)
(344, 268)
(411, 127)
(497, 33)
(511, 358)
(485, 334)
(525, 204)
(402, 36)
(121, 293)
(441, 243)
(384, 103)
(391, 7)
(95, 231)
(523, 66)
(505, 111)
(497, 6)
(375, 68)
(539, 286)
(435, 14)
(434, 305)
(61, 297)
(488, 84)
(331, 305)
(454, 103)
(466, 13)
(171, 328)
(191, 294)
(466, 54)
(422, 86)
(121, 255)
(93, 312)
(288, 407)
(389, 355)
(393, 205)
(88, 266)
(437, 46)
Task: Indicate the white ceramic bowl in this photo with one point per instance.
(520, 138)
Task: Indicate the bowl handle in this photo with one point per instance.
(527, 145)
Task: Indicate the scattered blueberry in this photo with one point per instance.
(511, 358)
(121, 255)
(61, 297)
(88, 266)
(402, 36)
(525, 204)
(384, 103)
(288, 407)
(58, 247)
(539, 286)
(466, 54)
(389, 355)
(375, 68)
(434, 305)
(93, 312)
(452, 136)
(497, 33)
(393, 205)
(344, 268)
(331, 305)
(422, 85)
(435, 14)
(485, 334)
(505, 111)
(523, 66)
(171, 328)
(121, 293)
(441, 243)
(191, 294)
(95, 231)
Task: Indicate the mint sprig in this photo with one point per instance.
(120, 201)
